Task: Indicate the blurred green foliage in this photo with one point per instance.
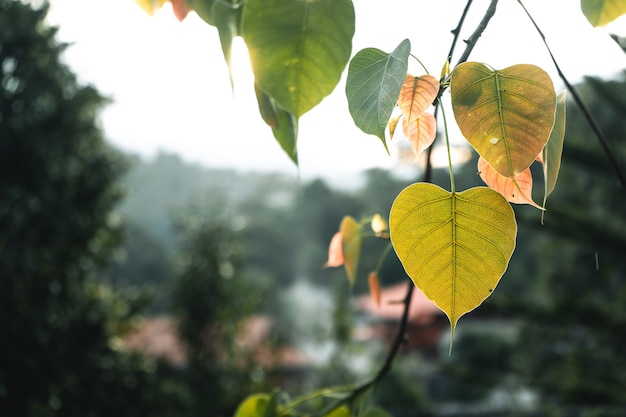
(59, 328)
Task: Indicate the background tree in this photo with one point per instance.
(60, 351)
(211, 298)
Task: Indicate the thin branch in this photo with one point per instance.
(471, 41)
(592, 123)
(400, 336)
(398, 340)
(457, 30)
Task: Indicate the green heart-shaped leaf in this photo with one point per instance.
(454, 246)
(284, 124)
(506, 115)
(373, 87)
(553, 150)
(298, 49)
(602, 12)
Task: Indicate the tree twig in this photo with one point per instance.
(471, 41)
(592, 123)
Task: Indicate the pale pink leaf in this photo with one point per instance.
(516, 190)
(421, 132)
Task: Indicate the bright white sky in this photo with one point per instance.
(171, 90)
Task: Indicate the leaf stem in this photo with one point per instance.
(398, 340)
(445, 133)
(590, 120)
(382, 256)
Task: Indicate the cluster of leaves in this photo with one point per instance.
(455, 246)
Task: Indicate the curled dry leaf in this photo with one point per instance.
(516, 190)
(335, 251)
(374, 285)
(379, 225)
(393, 123)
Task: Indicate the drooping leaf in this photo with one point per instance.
(506, 115)
(416, 95)
(228, 23)
(551, 154)
(150, 6)
(298, 49)
(376, 412)
(374, 286)
(454, 246)
(226, 16)
(342, 411)
(393, 123)
(271, 409)
(351, 246)
(284, 124)
(180, 8)
(205, 9)
(373, 87)
(335, 251)
(602, 12)
(421, 132)
(516, 190)
(253, 406)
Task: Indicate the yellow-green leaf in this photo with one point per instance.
(339, 412)
(351, 246)
(454, 246)
(284, 124)
(551, 154)
(298, 49)
(150, 6)
(602, 12)
(253, 406)
(376, 412)
(506, 115)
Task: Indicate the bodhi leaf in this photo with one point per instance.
(376, 412)
(602, 12)
(374, 285)
(284, 124)
(551, 154)
(335, 251)
(298, 49)
(454, 246)
(373, 86)
(226, 16)
(516, 190)
(205, 9)
(342, 411)
(150, 6)
(350, 245)
(253, 406)
(180, 8)
(421, 132)
(393, 123)
(416, 95)
(506, 115)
